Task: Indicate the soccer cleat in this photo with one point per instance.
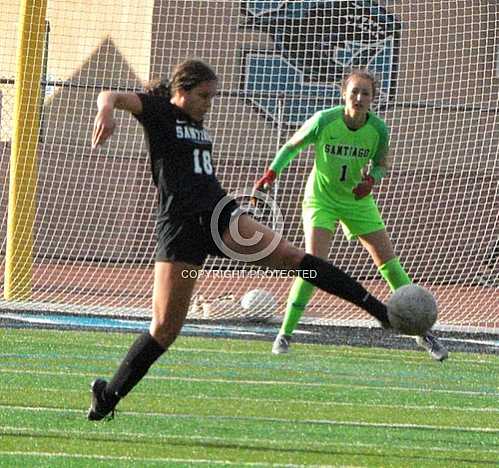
(435, 349)
(281, 344)
(385, 325)
(99, 407)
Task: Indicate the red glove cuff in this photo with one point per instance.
(268, 178)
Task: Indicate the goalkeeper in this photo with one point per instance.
(351, 149)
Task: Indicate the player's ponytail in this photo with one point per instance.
(158, 88)
(191, 73)
(187, 75)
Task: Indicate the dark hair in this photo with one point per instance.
(186, 75)
(361, 73)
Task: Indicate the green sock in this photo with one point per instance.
(299, 296)
(394, 274)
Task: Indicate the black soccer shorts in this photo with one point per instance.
(190, 239)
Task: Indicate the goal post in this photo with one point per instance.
(23, 162)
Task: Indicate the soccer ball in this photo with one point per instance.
(258, 305)
(221, 308)
(412, 310)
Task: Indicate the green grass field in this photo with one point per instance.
(212, 402)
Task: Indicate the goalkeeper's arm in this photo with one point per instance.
(298, 142)
(283, 157)
(380, 165)
(379, 169)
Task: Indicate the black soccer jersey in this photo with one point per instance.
(180, 151)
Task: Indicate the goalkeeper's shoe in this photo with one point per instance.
(385, 324)
(99, 407)
(435, 349)
(281, 344)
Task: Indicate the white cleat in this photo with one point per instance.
(435, 349)
(281, 344)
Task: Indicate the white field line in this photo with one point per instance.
(264, 382)
(160, 396)
(273, 443)
(341, 352)
(165, 366)
(144, 459)
(333, 350)
(331, 422)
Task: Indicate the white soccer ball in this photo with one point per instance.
(258, 305)
(221, 308)
(412, 310)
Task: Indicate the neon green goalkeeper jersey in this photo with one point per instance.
(341, 154)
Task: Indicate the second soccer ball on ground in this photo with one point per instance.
(258, 305)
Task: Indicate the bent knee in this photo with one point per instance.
(165, 327)
(164, 334)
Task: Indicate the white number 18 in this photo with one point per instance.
(203, 163)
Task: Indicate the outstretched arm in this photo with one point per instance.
(298, 142)
(107, 101)
(281, 160)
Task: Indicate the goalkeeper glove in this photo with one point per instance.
(364, 188)
(263, 184)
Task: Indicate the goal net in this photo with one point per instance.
(278, 63)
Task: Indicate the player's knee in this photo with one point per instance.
(164, 330)
(290, 257)
(163, 335)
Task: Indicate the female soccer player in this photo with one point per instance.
(188, 224)
(347, 139)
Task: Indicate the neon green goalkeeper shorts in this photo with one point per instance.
(355, 218)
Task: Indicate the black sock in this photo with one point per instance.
(335, 281)
(141, 355)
